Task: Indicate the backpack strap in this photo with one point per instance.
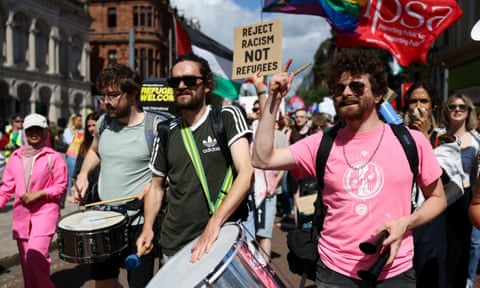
(216, 121)
(322, 155)
(163, 135)
(151, 125)
(410, 148)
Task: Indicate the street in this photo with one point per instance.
(65, 274)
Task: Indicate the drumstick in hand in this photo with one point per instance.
(276, 86)
(111, 201)
(133, 261)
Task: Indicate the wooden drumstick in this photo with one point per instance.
(111, 201)
(275, 86)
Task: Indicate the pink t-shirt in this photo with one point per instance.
(358, 201)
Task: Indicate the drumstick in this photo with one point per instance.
(111, 201)
(275, 86)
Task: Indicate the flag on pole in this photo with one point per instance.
(405, 28)
(219, 57)
(341, 14)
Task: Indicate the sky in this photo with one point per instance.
(302, 34)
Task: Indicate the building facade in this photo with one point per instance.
(44, 59)
(133, 33)
(458, 56)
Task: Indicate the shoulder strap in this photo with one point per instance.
(163, 134)
(322, 155)
(323, 152)
(409, 146)
(216, 121)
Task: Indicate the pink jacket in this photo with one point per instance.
(49, 173)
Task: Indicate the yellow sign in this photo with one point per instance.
(156, 94)
(258, 47)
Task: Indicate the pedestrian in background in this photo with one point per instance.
(89, 132)
(15, 134)
(37, 175)
(73, 137)
(430, 240)
(463, 247)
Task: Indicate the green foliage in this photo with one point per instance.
(313, 95)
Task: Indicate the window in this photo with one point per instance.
(143, 16)
(143, 62)
(112, 56)
(135, 16)
(112, 17)
(150, 63)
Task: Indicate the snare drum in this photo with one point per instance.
(230, 263)
(91, 236)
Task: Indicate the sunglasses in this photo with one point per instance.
(188, 81)
(461, 107)
(357, 88)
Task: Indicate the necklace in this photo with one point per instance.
(358, 167)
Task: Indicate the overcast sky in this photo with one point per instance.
(302, 34)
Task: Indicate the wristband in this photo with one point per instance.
(261, 93)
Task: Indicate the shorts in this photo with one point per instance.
(265, 217)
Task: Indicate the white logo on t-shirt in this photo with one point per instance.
(365, 182)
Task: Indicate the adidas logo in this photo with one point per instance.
(209, 142)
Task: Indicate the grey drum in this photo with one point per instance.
(231, 262)
(91, 236)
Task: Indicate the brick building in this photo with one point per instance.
(134, 33)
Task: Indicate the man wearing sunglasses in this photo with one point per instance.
(367, 180)
(122, 149)
(198, 201)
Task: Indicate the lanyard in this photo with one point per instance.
(192, 151)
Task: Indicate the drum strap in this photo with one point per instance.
(192, 151)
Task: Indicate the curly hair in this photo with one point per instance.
(358, 61)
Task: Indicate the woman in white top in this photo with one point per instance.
(460, 120)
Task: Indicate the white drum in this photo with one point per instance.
(230, 263)
(91, 236)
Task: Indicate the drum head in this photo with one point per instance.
(180, 272)
(90, 220)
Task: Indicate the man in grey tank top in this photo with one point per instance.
(121, 145)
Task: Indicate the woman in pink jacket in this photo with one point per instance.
(37, 175)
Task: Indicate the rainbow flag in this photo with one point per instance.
(341, 14)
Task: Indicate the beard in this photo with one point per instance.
(354, 108)
(191, 103)
(118, 112)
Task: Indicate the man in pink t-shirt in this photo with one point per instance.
(367, 181)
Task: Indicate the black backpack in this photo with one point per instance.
(302, 243)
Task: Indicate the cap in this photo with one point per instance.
(475, 33)
(35, 120)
